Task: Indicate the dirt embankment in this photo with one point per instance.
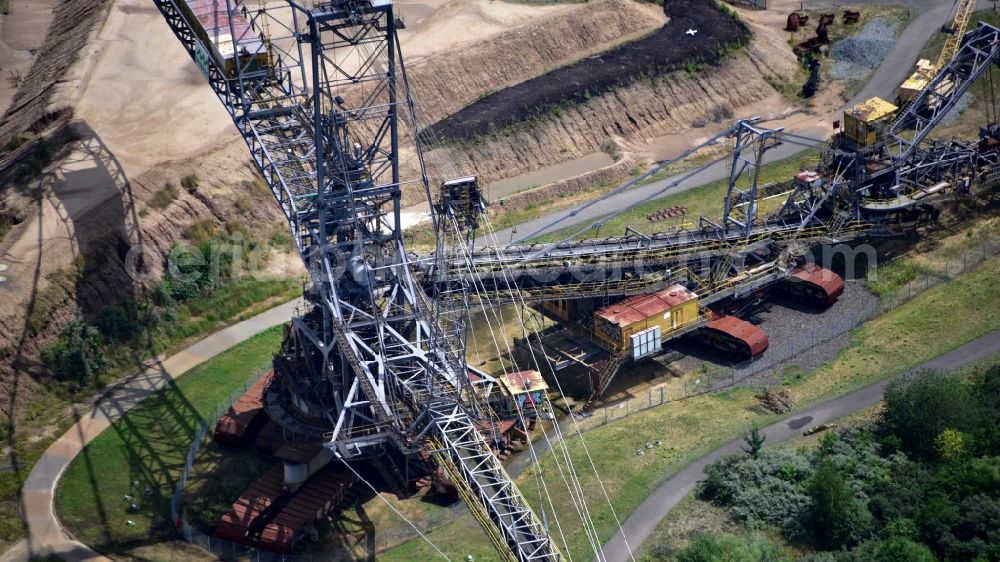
(669, 104)
(671, 47)
(75, 20)
(446, 82)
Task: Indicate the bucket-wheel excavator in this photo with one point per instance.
(373, 369)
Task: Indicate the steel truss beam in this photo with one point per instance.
(321, 121)
(980, 50)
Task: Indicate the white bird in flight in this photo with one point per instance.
(691, 32)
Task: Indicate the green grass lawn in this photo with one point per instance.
(704, 200)
(143, 453)
(922, 329)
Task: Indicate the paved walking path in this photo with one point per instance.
(45, 535)
(644, 519)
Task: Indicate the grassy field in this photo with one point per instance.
(48, 413)
(704, 200)
(922, 329)
(142, 454)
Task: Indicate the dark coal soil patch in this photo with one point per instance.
(667, 49)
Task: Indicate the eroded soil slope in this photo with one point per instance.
(668, 48)
(677, 101)
(447, 81)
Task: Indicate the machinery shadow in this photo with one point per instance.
(156, 438)
(74, 251)
(77, 195)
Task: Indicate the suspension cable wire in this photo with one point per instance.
(575, 489)
(422, 136)
(538, 474)
(426, 137)
(807, 144)
(576, 425)
(564, 448)
(572, 482)
(806, 138)
(597, 224)
(392, 507)
(539, 481)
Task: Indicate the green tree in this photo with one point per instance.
(747, 547)
(950, 444)
(918, 411)
(986, 389)
(754, 440)
(837, 518)
(893, 549)
(76, 355)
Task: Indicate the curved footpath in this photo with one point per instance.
(644, 519)
(45, 536)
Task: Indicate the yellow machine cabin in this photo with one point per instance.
(917, 82)
(221, 34)
(865, 124)
(522, 393)
(642, 322)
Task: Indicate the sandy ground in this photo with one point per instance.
(139, 90)
(51, 238)
(434, 26)
(22, 32)
(145, 103)
(777, 111)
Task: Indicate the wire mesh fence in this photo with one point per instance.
(744, 373)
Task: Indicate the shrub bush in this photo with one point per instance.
(76, 355)
(917, 411)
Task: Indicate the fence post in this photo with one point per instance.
(650, 398)
(662, 389)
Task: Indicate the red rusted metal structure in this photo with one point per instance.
(820, 287)
(240, 424)
(737, 338)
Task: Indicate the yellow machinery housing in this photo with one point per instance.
(866, 123)
(926, 71)
(655, 316)
(917, 81)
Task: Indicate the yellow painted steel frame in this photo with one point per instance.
(954, 41)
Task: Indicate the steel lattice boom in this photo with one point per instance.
(318, 90)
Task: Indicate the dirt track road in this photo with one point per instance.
(931, 14)
(644, 519)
